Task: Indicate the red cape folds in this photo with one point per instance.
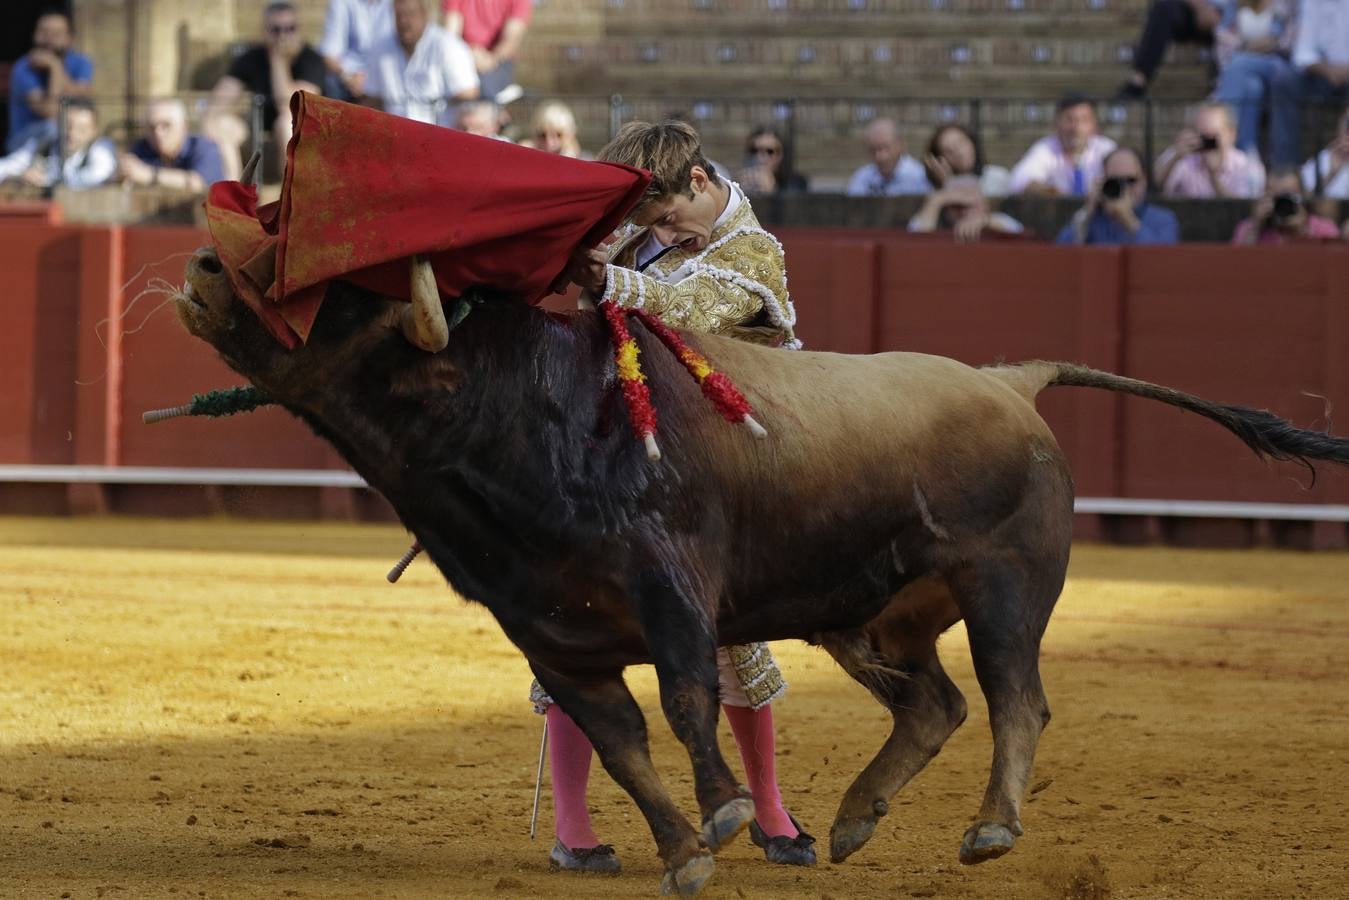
(365, 190)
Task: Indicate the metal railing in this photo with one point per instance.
(823, 133)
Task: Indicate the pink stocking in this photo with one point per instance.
(753, 730)
(569, 758)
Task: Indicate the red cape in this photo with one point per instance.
(365, 190)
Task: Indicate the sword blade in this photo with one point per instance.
(538, 781)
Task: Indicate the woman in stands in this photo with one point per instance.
(553, 130)
(953, 150)
(768, 167)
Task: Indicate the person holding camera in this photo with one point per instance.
(1117, 211)
(1281, 216)
(1204, 161)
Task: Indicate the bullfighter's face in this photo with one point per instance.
(684, 221)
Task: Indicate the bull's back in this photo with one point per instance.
(912, 414)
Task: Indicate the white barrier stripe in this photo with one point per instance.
(1211, 509)
(1120, 506)
(184, 475)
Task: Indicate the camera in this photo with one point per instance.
(1207, 142)
(1286, 206)
(1113, 188)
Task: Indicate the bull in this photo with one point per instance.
(896, 495)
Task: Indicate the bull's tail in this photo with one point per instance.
(1262, 431)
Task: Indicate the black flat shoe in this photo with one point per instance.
(601, 860)
(797, 851)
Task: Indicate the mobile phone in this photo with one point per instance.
(1208, 142)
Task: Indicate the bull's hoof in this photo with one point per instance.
(985, 841)
(847, 836)
(689, 878)
(727, 821)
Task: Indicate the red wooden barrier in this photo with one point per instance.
(1266, 327)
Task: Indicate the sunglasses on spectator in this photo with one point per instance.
(765, 150)
(283, 29)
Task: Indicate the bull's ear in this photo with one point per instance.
(428, 375)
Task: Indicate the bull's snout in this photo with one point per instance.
(208, 261)
(205, 282)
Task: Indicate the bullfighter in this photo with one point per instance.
(693, 253)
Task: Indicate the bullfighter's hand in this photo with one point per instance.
(589, 269)
(580, 270)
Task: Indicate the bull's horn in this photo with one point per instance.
(754, 427)
(652, 451)
(250, 168)
(423, 322)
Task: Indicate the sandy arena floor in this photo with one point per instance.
(208, 709)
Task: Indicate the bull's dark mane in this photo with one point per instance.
(517, 434)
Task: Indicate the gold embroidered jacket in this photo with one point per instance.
(736, 286)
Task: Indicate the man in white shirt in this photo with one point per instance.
(420, 70)
(350, 30)
(1069, 160)
(88, 161)
(1319, 76)
(891, 171)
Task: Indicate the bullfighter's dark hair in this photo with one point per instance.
(277, 6)
(669, 151)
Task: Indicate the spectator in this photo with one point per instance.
(1281, 215)
(1069, 160)
(283, 64)
(1319, 75)
(1328, 174)
(553, 130)
(41, 78)
(960, 206)
(769, 168)
(952, 150)
(493, 30)
(891, 171)
(88, 160)
(1204, 161)
(350, 30)
(1182, 21)
(420, 68)
(1117, 211)
(168, 155)
(1253, 44)
(480, 117)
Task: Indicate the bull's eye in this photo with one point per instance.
(210, 263)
